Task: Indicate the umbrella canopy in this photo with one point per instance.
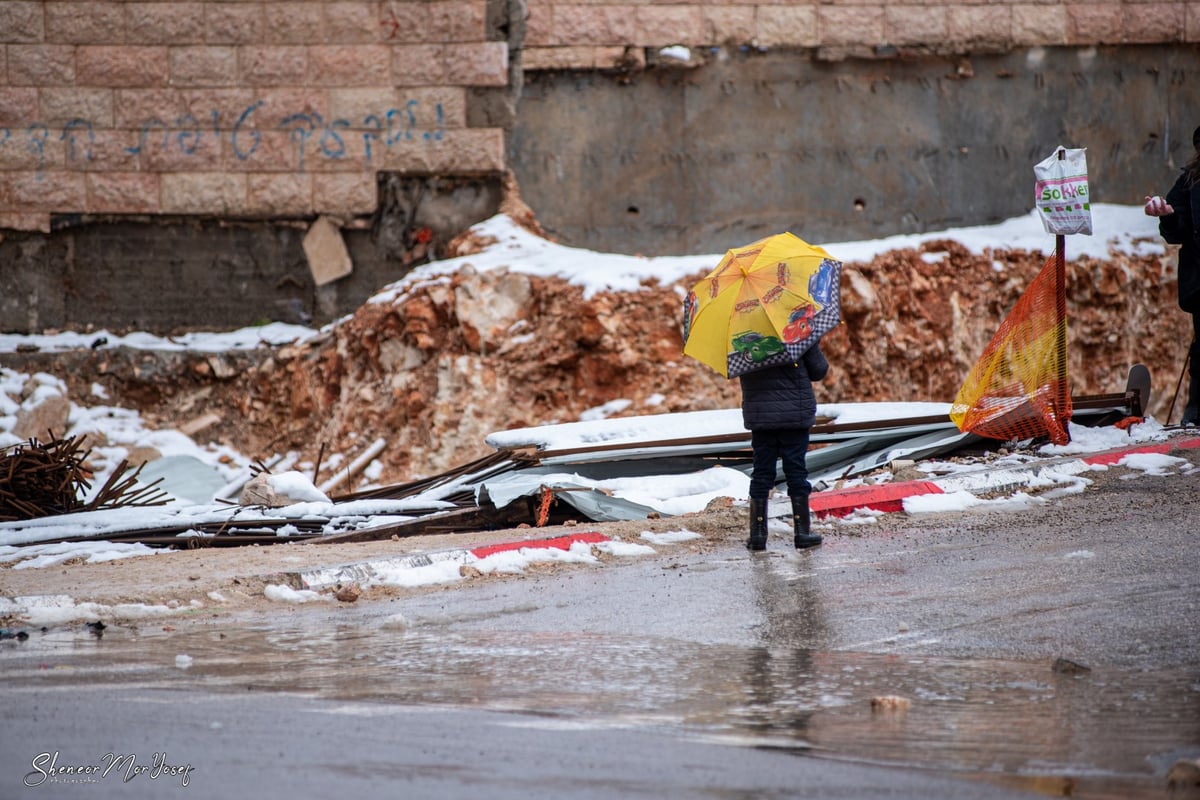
(764, 304)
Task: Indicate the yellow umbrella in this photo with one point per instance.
(764, 304)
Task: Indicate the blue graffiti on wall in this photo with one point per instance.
(310, 133)
(305, 127)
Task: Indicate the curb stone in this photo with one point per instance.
(889, 497)
(364, 572)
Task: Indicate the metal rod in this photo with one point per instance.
(1178, 384)
(356, 466)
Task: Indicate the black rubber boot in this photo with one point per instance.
(758, 525)
(800, 521)
(1191, 412)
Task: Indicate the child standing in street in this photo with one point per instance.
(779, 408)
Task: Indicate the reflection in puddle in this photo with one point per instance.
(1011, 721)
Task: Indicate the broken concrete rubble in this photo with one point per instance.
(490, 307)
(328, 257)
(444, 373)
(42, 416)
(258, 491)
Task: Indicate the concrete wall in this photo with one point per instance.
(587, 34)
(699, 159)
(174, 273)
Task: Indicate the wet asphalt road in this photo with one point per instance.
(278, 746)
(683, 675)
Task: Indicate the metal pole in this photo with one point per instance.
(1060, 275)
(1178, 383)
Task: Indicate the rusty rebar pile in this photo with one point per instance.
(43, 479)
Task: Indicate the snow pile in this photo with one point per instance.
(51, 610)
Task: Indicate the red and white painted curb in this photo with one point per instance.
(888, 497)
(558, 542)
(365, 572)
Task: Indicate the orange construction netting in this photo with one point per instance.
(1018, 388)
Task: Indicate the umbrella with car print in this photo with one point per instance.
(764, 304)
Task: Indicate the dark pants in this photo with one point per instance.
(769, 446)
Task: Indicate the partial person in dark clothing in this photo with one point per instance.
(1179, 223)
(779, 408)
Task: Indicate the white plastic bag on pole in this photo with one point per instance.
(1061, 193)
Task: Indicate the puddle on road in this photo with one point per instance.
(1102, 733)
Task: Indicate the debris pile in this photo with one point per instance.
(45, 479)
(563, 473)
(433, 368)
(437, 368)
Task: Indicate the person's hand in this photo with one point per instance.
(1157, 207)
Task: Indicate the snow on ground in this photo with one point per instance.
(286, 594)
(275, 333)
(1124, 229)
(1119, 228)
(47, 555)
(56, 609)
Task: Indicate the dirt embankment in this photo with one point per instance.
(438, 367)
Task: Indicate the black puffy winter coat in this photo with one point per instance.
(1183, 228)
(783, 397)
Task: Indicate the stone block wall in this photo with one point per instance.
(587, 34)
(265, 109)
(245, 108)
